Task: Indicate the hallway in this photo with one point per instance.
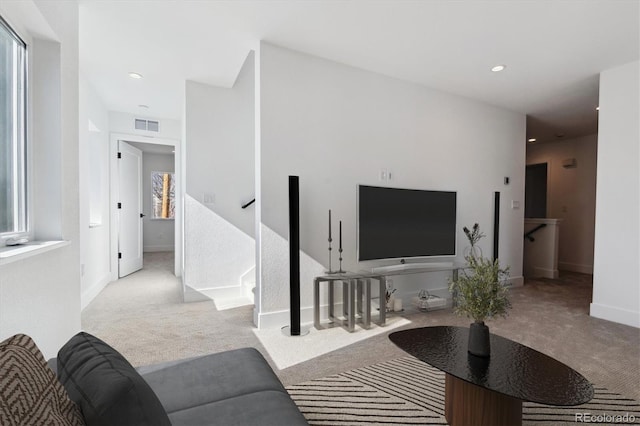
(142, 315)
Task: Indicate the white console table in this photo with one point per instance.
(357, 285)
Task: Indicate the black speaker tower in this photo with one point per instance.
(294, 255)
(496, 223)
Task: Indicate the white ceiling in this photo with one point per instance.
(554, 50)
(153, 148)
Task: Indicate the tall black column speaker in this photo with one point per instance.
(294, 254)
(496, 223)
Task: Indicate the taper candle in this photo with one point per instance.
(329, 224)
(340, 235)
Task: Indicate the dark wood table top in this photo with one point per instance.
(512, 369)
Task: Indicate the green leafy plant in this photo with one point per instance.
(480, 291)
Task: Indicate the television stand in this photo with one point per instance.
(410, 266)
(352, 288)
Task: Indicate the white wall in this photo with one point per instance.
(616, 270)
(219, 168)
(337, 126)
(40, 295)
(158, 234)
(94, 193)
(571, 196)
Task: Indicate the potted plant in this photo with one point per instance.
(480, 292)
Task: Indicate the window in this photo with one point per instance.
(162, 193)
(13, 129)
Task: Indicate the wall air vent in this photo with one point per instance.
(148, 125)
(152, 126)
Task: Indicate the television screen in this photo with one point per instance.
(402, 223)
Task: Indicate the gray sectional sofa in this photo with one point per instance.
(229, 388)
(236, 387)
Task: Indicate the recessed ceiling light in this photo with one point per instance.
(143, 106)
(498, 68)
(531, 140)
(135, 75)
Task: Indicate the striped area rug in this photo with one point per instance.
(407, 391)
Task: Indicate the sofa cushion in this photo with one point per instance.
(264, 408)
(210, 378)
(29, 391)
(107, 388)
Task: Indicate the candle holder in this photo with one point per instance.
(340, 270)
(330, 271)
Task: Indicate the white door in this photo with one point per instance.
(129, 209)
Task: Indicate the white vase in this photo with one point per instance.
(473, 251)
(397, 305)
(390, 303)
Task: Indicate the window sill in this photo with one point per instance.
(14, 253)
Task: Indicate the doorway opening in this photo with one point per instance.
(140, 222)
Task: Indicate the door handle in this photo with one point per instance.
(142, 215)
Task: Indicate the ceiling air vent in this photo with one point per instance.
(149, 125)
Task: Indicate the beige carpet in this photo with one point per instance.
(409, 392)
(143, 317)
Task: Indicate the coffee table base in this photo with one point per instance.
(468, 404)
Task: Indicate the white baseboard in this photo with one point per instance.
(576, 267)
(615, 314)
(279, 319)
(217, 294)
(223, 292)
(545, 272)
(516, 281)
(149, 249)
(192, 295)
(92, 292)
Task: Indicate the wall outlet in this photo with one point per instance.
(385, 174)
(515, 205)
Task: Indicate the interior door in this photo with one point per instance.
(129, 209)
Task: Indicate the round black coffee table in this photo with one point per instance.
(490, 391)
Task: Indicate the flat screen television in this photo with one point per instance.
(403, 223)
